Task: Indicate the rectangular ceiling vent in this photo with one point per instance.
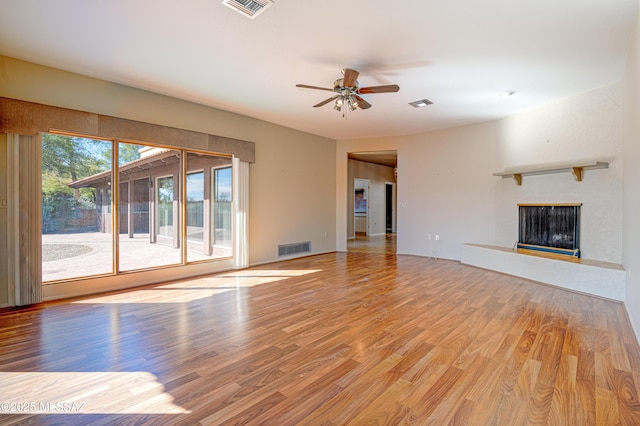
(295, 248)
(421, 103)
(249, 8)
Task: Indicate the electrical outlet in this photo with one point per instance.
(428, 236)
(4, 203)
(437, 237)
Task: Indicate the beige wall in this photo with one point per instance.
(291, 183)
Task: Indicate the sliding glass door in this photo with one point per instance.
(76, 214)
(174, 206)
(222, 210)
(208, 215)
(153, 215)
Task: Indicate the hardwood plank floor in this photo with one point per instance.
(335, 339)
(381, 244)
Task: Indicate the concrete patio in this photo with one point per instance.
(73, 255)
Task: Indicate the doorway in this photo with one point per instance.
(373, 175)
(390, 207)
(361, 206)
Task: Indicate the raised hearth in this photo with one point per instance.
(603, 279)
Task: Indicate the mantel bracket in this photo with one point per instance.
(577, 173)
(518, 178)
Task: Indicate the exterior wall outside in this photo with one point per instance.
(168, 166)
(377, 175)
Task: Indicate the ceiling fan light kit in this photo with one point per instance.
(348, 92)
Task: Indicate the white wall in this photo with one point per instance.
(291, 184)
(631, 150)
(583, 127)
(444, 185)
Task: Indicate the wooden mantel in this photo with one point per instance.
(577, 169)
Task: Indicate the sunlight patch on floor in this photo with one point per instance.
(84, 393)
(270, 273)
(199, 288)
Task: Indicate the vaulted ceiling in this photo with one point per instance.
(460, 54)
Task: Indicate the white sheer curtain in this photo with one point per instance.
(241, 213)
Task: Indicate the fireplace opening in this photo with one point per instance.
(550, 228)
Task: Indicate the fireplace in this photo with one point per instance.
(550, 228)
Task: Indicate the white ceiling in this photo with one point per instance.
(460, 54)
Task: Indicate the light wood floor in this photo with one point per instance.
(342, 338)
(381, 244)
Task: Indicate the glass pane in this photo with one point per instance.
(76, 207)
(195, 207)
(165, 197)
(203, 209)
(222, 208)
(149, 210)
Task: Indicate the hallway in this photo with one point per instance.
(379, 244)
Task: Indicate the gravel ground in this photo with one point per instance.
(63, 251)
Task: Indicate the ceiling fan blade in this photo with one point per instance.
(306, 86)
(389, 88)
(350, 77)
(362, 104)
(326, 101)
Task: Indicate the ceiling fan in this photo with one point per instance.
(348, 92)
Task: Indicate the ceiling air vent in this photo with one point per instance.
(249, 8)
(421, 103)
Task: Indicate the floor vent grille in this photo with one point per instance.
(249, 8)
(295, 248)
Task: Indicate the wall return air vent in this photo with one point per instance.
(295, 248)
(249, 8)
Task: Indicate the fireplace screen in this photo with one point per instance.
(551, 228)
